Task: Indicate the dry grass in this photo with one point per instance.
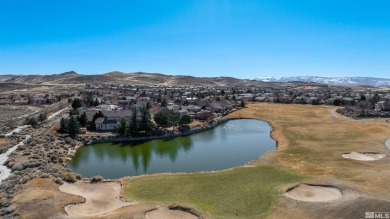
(5, 142)
(311, 141)
(41, 198)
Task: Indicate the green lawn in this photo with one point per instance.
(248, 192)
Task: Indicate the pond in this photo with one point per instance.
(230, 144)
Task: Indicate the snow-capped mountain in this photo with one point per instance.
(341, 81)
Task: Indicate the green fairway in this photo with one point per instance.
(239, 193)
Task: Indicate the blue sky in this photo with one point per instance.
(238, 38)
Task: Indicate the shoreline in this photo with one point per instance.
(224, 120)
(117, 139)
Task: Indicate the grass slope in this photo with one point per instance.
(247, 192)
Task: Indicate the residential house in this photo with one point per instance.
(203, 114)
(119, 114)
(104, 124)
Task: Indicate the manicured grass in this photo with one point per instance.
(240, 193)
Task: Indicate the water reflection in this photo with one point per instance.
(230, 144)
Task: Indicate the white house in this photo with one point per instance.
(104, 124)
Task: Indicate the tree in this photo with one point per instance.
(185, 120)
(133, 126)
(148, 105)
(42, 116)
(73, 127)
(122, 127)
(164, 102)
(364, 106)
(83, 119)
(96, 116)
(32, 121)
(76, 103)
(96, 102)
(63, 126)
(242, 104)
(145, 123)
(376, 98)
(163, 120)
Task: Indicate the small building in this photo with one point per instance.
(203, 114)
(104, 124)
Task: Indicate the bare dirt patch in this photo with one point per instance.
(100, 198)
(363, 156)
(43, 194)
(165, 212)
(314, 193)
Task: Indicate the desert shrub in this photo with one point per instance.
(69, 177)
(68, 140)
(24, 179)
(96, 179)
(45, 175)
(58, 181)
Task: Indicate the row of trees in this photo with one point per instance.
(140, 124)
(70, 126)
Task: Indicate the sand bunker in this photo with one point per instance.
(169, 213)
(100, 198)
(366, 156)
(313, 193)
(387, 143)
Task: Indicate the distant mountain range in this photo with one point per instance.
(340, 81)
(136, 78)
(142, 78)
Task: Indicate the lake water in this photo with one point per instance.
(230, 144)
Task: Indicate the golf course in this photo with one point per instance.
(311, 141)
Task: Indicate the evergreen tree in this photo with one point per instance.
(73, 127)
(42, 117)
(133, 126)
(63, 126)
(32, 121)
(163, 120)
(83, 119)
(148, 106)
(97, 115)
(185, 120)
(122, 127)
(242, 104)
(164, 102)
(145, 124)
(96, 102)
(76, 103)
